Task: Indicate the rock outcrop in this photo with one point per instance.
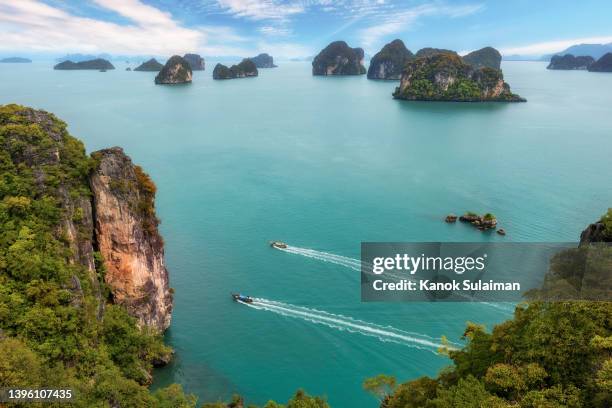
(339, 59)
(195, 62)
(263, 61)
(98, 63)
(484, 57)
(604, 64)
(600, 231)
(428, 52)
(151, 65)
(245, 69)
(176, 71)
(569, 62)
(447, 77)
(15, 60)
(390, 61)
(128, 238)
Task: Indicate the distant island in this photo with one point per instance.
(263, 61)
(445, 76)
(98, 64)
(151, 65)
(569, 62)
(389, 62)
(484, 57)
(176, 71)
(195, 62)
(246, 68)
(15, 60)
(339, 59)
(604, 64)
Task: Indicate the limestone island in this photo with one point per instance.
(339, 59)
(99, 63)
(176, 71)
(447, 77)
(483, 223)
(604, 64)
(389, 62)
(485, 57)
(245, 69)
(263, 61)
(151, 65)
(15, 60)
(569, 62)
(195, 62)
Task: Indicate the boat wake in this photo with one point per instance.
(355, 264)
(345, 323)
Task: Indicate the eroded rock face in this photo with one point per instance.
(569, 62)
(176, 71)
(195, 62)
(389, 62)
(339, 59)
(128, 239)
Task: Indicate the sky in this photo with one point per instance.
(296, 28)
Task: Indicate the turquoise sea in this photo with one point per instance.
(323, 164)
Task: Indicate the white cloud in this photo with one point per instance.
(35, 26)
(275, 31)
(261, 9)
(394, 21)
(549, 47)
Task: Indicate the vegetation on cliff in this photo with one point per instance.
(447, 77)
(570, 62)
(428, 52)
(390, 61)
(176, 71)
(245, 69)
(151, 65)
(98, 63)
(339, 59)
(604, 64)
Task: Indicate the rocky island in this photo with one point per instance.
(599, 231)
(176, 71)
(151, 65)
(604, 64)
(339, 59)
(263, 61)
(428, 52)
(569, 62)
(390, 61)
(447, 77)
(15, 60)
(485, 57)
(245, 69)
(99, 64)
(195, 62)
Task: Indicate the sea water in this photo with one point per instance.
(324, 164)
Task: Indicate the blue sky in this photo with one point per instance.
(296, 28)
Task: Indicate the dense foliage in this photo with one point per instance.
(393, 57)
(485, 57)
(550, 355)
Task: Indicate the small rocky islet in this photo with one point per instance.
(151, 65)
(176, 71)
(98, 64)
(339, 59)
(390, 61)
(484, 222)
(263, 61)
(196, 62)
(245, 69)
(570, 62)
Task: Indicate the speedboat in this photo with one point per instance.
(278, 244)
(239, 297)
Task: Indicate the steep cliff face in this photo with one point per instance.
(339, 59)
(263, 61)
(245, 69)
(570, 62)
(600, 231)
(446, 77)
(389, 62)
(196, 62)
(128, 239)
(176, 71)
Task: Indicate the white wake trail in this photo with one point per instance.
(355, 264)
(340, 322)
